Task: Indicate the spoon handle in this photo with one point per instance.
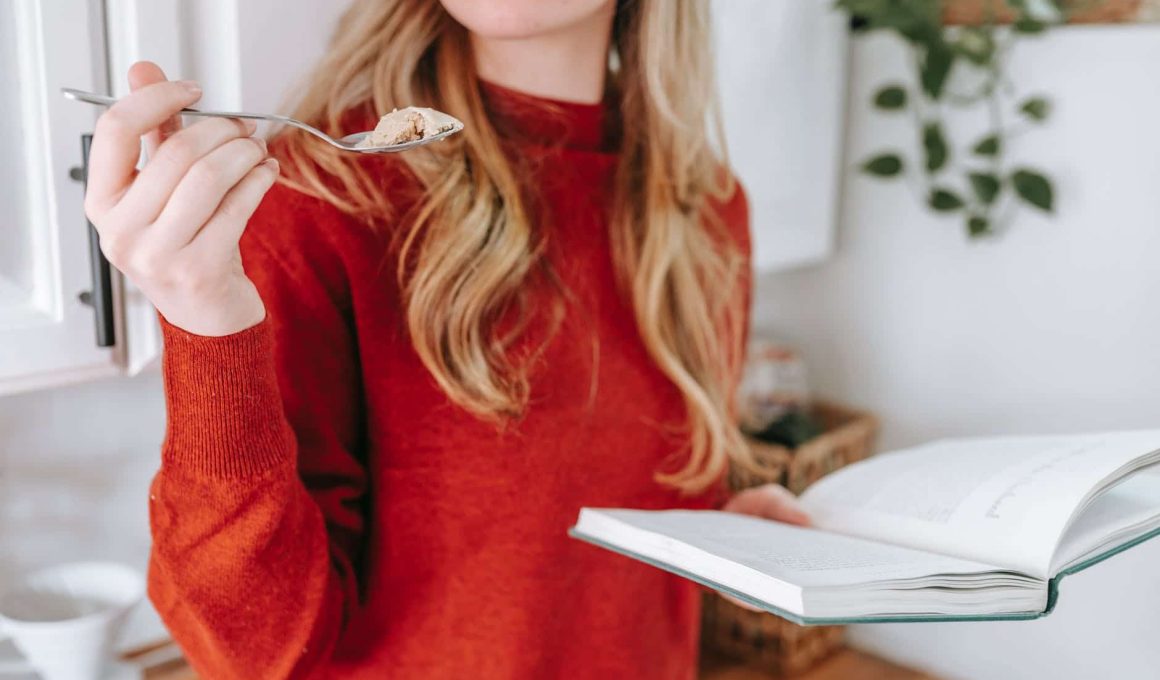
(103, 100)
(348, 143)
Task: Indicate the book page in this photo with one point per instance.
(799, 556)
(1116, 517)
(1003, 501)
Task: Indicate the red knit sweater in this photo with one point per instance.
(323, 509)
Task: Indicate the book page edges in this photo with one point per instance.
(1052, 589)
(791, 616)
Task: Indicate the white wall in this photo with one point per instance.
(1054, 328)
(254, 54)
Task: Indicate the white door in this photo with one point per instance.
(47, 335)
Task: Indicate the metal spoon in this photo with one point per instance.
(347, 143)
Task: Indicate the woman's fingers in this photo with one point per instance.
(170, 162)
(201, 191)
(146, 73)
(221, 233)
(771, 502)
(148, 220)
(117, 140)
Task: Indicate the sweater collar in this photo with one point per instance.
(526, 118)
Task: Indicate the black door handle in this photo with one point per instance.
(101, 295)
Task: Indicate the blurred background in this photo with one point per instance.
(1030, 306)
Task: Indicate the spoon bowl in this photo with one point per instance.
(352, 142)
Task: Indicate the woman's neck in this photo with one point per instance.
(568, 65)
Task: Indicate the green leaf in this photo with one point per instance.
(936, 67)
(976, 44)
(1034, 188)
(1029, 26)
(883, 165)
(990, 145)
(944, 200)
(935, 145)
(978, 226)
(890, 98)
(986, 186)
(1036, 108)
(1048, 12)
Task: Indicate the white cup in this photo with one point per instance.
(66, 619)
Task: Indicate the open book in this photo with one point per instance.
(962, 529)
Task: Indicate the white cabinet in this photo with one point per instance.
(47, 335)
(781, 67)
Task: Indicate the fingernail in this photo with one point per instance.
(260, 142)
(271, 163)
(191, 86)
(250, 125)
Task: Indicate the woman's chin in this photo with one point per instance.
(524, 19)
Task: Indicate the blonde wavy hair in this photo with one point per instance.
(471, 245)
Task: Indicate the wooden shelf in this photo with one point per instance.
(847, 664)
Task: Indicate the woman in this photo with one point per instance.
(382, 425)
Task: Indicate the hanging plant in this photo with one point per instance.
(968, 178)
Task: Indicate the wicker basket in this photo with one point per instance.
(847, 436)
(764, 640)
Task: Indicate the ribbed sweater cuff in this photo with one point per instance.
(225, 411)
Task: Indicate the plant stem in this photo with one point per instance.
(995, 111)
(919, 124)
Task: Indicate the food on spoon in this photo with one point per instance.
(409, 125)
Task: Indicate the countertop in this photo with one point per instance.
(847, 664)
